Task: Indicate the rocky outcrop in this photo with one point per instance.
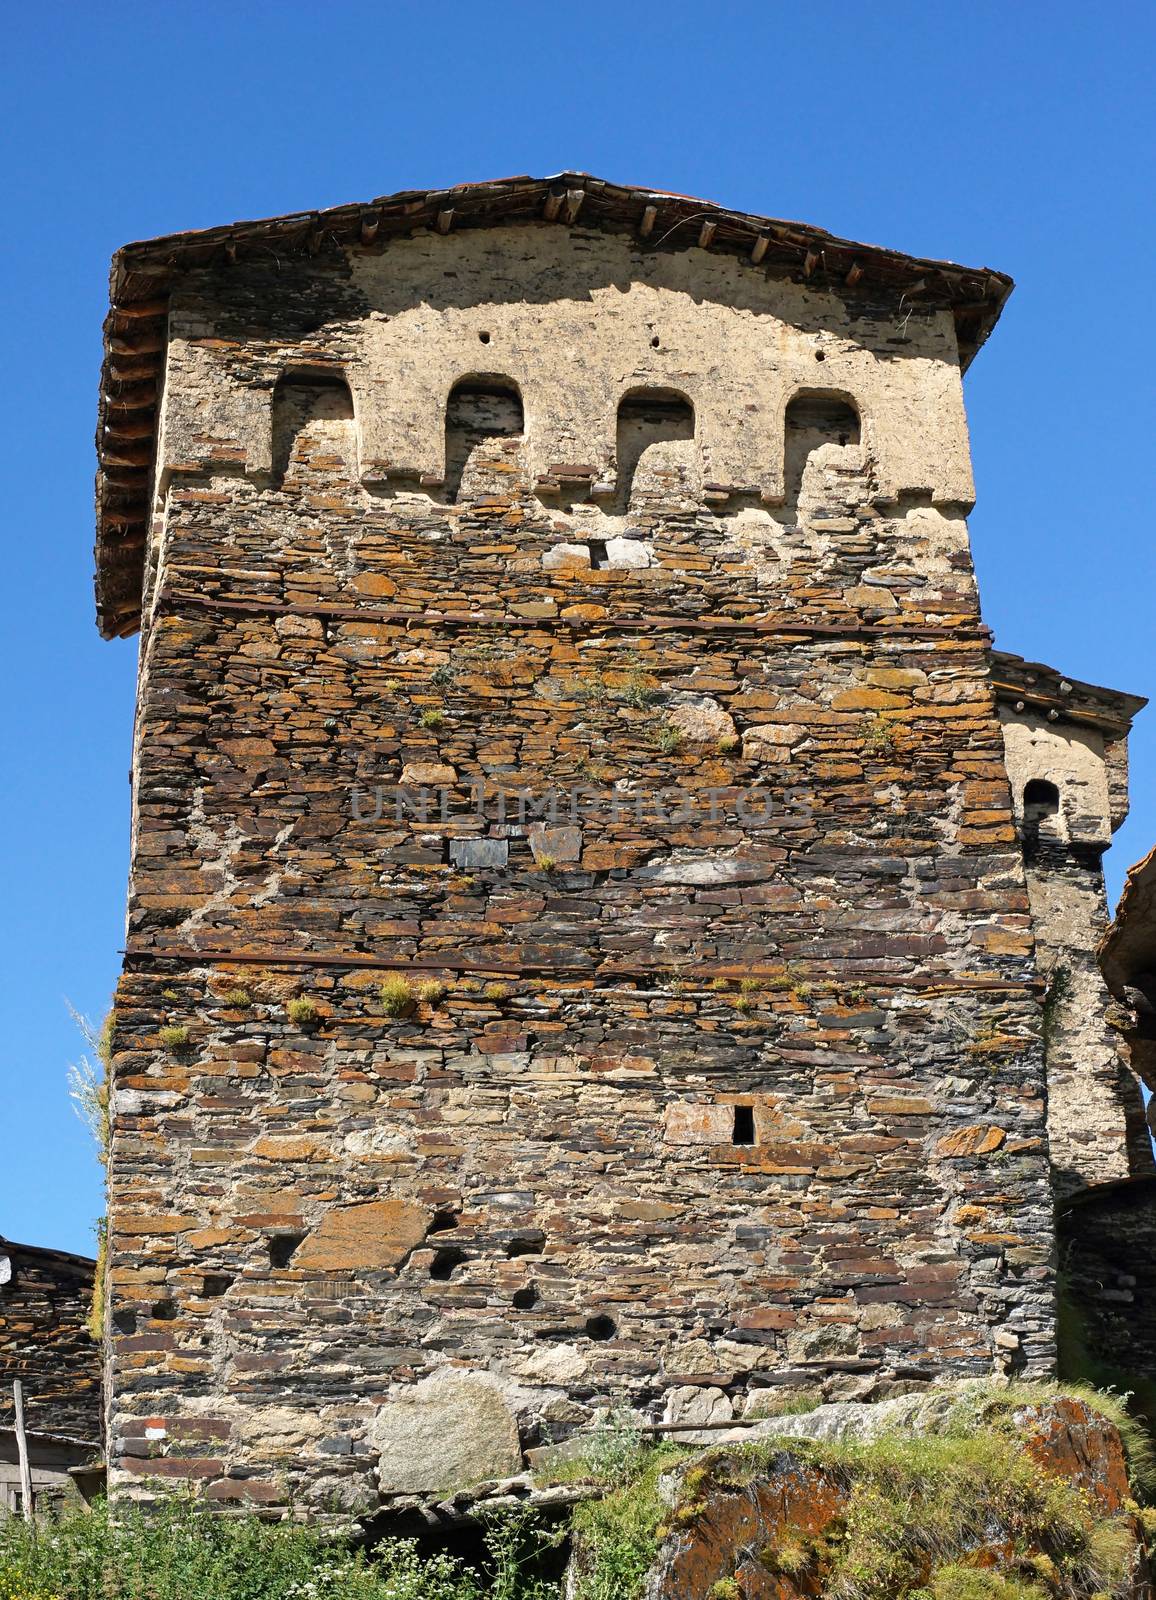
(959, 1493)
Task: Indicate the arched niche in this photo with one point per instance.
(485, 427)
(655, 452)
(814, 418)
(313, 425)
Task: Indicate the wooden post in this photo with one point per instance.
(22, 1450)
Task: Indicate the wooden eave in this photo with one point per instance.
(1045, 689)
(142, 276)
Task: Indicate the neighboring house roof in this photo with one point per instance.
(1043, 688)
(9, 1247)
(1127, 952)
(43, 1436)
(143, 273)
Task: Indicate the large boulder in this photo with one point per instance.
(450, 1432)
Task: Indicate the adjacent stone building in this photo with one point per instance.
(582, 939)
(46, 1343)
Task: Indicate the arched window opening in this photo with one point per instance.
(1041, 799)
(815, 418)
(655, 450)
(313, 425)
(481, 413)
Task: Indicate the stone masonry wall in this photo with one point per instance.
(748, 1092)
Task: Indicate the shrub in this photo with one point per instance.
(396, 996)
(668, 739)
(432, 719)
(175, 1036)
(431, 992)
(301, 1010)
(238, 999)
(640, 689)
(617, 1537)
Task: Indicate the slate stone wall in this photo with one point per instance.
(731, 1079)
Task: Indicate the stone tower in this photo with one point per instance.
(579, 944)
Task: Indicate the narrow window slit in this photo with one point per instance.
(744, 1125)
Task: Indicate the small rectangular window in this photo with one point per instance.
(744, 1128)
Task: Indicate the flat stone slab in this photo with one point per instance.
(379, 1234)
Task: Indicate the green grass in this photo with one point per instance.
(182, 1551)
(640, 689)
(617, 1538)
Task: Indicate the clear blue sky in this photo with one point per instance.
(1017, 136)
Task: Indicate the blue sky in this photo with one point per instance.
(1015, 136)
